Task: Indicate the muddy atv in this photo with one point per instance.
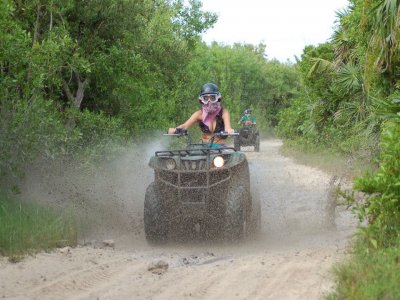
(248, 136)
(200, 188)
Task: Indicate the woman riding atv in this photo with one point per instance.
(212, 117)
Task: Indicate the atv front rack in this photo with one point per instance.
(194, 152)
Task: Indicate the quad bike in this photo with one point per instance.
(202, 187)
(248, 136)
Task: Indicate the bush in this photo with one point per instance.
(382, 209)
(28, 228)
(291, 119)
(31, 130)
(371, 274)
(99, 135)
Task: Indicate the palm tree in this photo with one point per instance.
(386, 34)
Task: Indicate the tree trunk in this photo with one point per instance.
(37, 25)
(77, 99)
(35, 38)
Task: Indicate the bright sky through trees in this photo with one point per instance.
(285, 26)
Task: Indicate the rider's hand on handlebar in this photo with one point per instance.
(230, 131)
(177, 130)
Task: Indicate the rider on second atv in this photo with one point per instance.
(212, 117)
(248, 119)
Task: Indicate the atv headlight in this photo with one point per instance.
(218, 161)
(169, 163)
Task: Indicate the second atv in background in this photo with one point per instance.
(248, 134)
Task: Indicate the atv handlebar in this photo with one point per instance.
(184, 132)
(225, 133)
(178, 132)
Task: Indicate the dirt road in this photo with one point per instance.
(303, 234)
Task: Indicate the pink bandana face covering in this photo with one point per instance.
(209, 111)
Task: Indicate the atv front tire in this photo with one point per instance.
(154, 221)
(236, 143)
(234, 214)
(257, 144)
(255, 224)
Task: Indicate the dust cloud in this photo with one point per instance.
(303, 235)
(107, 199)
(298, 205)
(298, 202)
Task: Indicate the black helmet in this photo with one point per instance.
(210, 89)
(247, 111)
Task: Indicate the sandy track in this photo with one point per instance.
(303, 235)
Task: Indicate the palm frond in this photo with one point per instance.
(341, 13)
(320, 66)
(386, 35)
(352, 113)
(343, 46)
(388, 108)
(349, 79)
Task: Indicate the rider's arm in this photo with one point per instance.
(227, 121)
(195, 117)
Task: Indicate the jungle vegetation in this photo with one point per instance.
(80, 78)
(350, 102)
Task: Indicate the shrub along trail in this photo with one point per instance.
(303, 234)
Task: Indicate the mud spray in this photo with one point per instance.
(297, 202)
(107, 199)
(303, 235)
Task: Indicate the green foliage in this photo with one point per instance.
(100, 137)
(294, 116)
(14, 52)
(35, 130)
(389, 108)
(31, 130)
(191, 20)
(340, 110)
(373, 271)
(350, 87)
(27, 228)
(310, 115)
(349, 101)
(371, 274)
(383, 206)
(386, 36)
(77, 72)
(316, 70)
(78, 77)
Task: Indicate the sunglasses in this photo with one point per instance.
(212, 98)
